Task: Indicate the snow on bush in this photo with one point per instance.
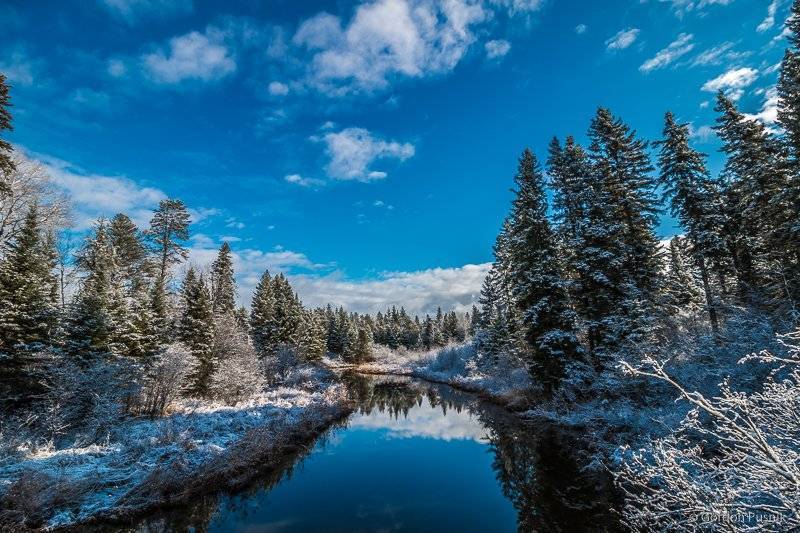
(238, 374)
(734, 463)
(165, 379)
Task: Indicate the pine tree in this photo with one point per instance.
(617, 258)
(680, 287)
(288, 310)
(169, 228)
(428, 332)
(362, 351)
(7, 165)
(760, 221)
(539, 289)
(130, 250)
(223, 285)
(100, 322)
(263, 328)
(789, 87)
(695, 200)
(28, 306)
(312, 337)
(196, 331)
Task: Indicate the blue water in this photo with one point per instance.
(415, 457)
(421, 471)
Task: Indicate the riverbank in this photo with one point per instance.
(144, 464)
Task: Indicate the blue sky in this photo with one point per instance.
(367, 148)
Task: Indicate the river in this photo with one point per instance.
(416, 457)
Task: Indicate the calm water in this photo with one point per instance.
(415, 457)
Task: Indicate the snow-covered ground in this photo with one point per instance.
(69, 484)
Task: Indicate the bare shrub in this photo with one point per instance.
(238, 374)
(164, 381)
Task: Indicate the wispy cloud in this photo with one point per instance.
(352, 152)
(135, 10)
(297, 179)
(769, 109)
(623, 39)
(580, 29)
(718, 54)
(769, 20)
(676, 49)
(733, 82)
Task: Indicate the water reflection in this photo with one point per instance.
(414, 457)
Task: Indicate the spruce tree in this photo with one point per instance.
(169, 229)
(789, 88)
(288, 310)
(100, 321)
(760, 217)
(130, 250)
(223, 285)
(28, 306)
(696, 202)
(362, 351)
(311, 337)
(263, 327)
(539, 289)
(6, 163)
(196, 331)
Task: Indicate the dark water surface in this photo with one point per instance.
(416, 457)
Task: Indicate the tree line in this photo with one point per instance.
(585, 279)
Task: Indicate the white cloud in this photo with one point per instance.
(133, 10)
(682, 7)
(353, 150)
(297, 179)
(515, 7)
(387, 39)
(769, 20)
(733, 82)
(419, 292)
(497, 48)
(676, 49)
(277, 88)
(423, 422)
(94, 196)
(580, 29)
(193, 56)
(623, 39)
(703, 133)
(769, 109)
(718, 54)
(19, 69)
(116, 68)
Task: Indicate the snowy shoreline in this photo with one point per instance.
(145, 465)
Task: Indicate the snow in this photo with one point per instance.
(195, 432)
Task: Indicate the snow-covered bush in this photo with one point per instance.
(165, 380)
(735, 461)
(238, 373)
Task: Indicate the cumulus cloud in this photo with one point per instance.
(353, 150)
(277, 88)
(387, 39)
(732, 82)
(134, 10)
(676, 49)
(497, 48)
(623, 39)
(419, 292)
(769, 20)
(193, 56)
